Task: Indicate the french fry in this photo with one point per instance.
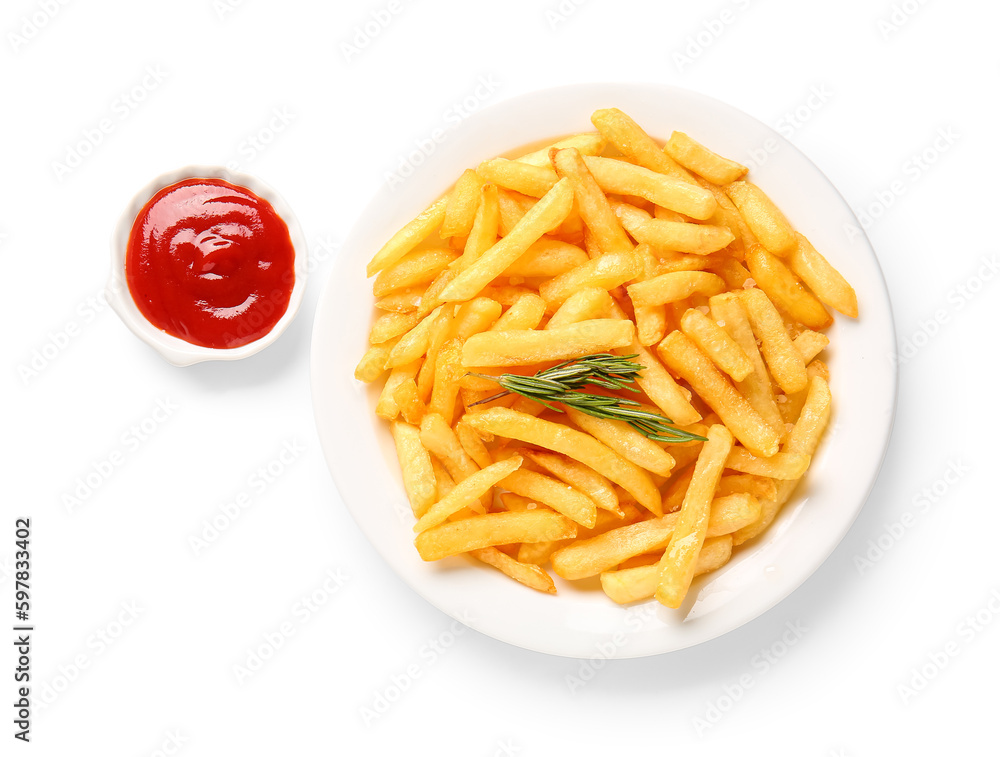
(626, 441)
(419, 267)
(485, 227)
(784, 361)
(588, 144)
(440, 440)
(661, 388)
(531, 576)
(589, 557)
(559, 496)
(386, 406)
(413, 344)
(407, 238)
(638, 583)
(372, 363)
(784, 290)
(634, 143)
(525, 314)
(572, 443)
(678, 563)
(463, 201)
(438, 333)
(407, 399)
(717, 344)
(402, 300)
(734, 483)
(605, 272)
(823, 279)
(674, 236)
(547, 258)
(447, 372)
(545, 215)
(492, 529)
(767, 223)
(392, 325)
(685, 359)
(473, 444)
(728, 312)
(803, 440)
(810, 344)
(579, 476)
(782, 465)
(504, 348)
(467, 493)
(583, 305)
(591, 201)
(519, 176)
(621, 178)
(671, 287)
(475, 316)
(695, 157)
(415, 463)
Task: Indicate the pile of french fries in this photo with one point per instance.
(604, 242)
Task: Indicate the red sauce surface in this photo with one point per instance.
(211, 263)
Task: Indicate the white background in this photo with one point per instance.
(138, 633)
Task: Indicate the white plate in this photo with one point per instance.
(583, 622)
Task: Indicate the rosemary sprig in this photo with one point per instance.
(561, 382)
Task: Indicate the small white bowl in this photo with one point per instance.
(175, 350)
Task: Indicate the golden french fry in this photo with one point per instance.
(415, 463)
(823, 279)
(447, 373)
(717, 344)
(372, 363)
(475, 316)
(681, 556)
(783, 466)
(695, 157)
(440, 440)
(391, 325)
(463, 201)
(637, 583)
(473, 444)
(531, 576)
(621, 178)
(728, 312)
(572, 443)
(605, 272)
(671, 287)
(591, 201)
(524, 314)
(810, 344)
(559, 496)
(413, 344)
(407, 399)
(547, 258)
(386, 406)
(503, 348)
(626, 441)
(686, 360)
(401, 301)
(545, 215)
(419, 267)
(485, 227)
(784, 361)
(519, 176)
(589, 557)
(672, 236)
(489, 530)
(767, 223)
(734, 483)
(784, 290)
(634, 143)
(579, 476)
(467, 493)
(587, 144)
(583, 305)
(407, 238)
(803, 440)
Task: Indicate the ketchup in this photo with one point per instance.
(211, 263)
